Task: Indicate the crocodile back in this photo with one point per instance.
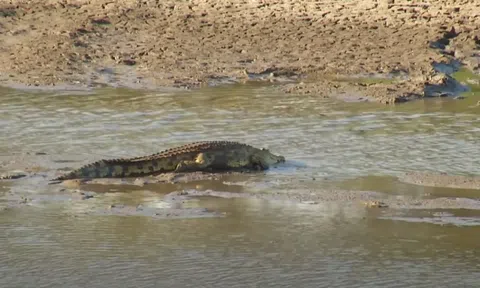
(194, 147)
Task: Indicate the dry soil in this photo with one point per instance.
(186, 44)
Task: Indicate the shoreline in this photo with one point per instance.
(389, 52)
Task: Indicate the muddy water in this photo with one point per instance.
(299, 224)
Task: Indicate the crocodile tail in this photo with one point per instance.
(92, 170)
(71, 175)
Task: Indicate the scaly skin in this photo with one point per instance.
(197, 156)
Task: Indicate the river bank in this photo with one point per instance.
(317, 44)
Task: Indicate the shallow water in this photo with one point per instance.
(296, 224)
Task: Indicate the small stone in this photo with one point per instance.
(139, 182)
(101, 21)
(129, 62)
(86, 195)
(375, 204)
(458, 54)
(309, 202)
(438, 79)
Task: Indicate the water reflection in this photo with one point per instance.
(258, 243)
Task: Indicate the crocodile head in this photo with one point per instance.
(270, 158)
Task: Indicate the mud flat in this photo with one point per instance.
(442, 180)
(160, 198)
(388, 51)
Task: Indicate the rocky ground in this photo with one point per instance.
(151, 44)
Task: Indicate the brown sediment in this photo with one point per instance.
(442, 180)
(156, 213)
(364, 199)
(151, 44)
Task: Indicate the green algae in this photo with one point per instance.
(469, 78)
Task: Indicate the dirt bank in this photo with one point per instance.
(148, 43)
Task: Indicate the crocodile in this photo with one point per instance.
(209, 156)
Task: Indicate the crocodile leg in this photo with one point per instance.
(202, 161)
(258, 162)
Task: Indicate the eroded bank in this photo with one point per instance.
(409, 49)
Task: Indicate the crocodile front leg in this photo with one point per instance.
(258, 162)
(202, 161)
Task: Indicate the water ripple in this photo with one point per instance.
(259, 244)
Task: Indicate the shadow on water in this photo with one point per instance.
(242, 230)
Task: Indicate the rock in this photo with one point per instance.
(101, 21)
(129, 62)
(438, 79)
(375, 204)
(87, 195)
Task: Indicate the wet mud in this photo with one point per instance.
(442, 180)
(32, 171)
(388, 52)
(172, 199)
(156, 213)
